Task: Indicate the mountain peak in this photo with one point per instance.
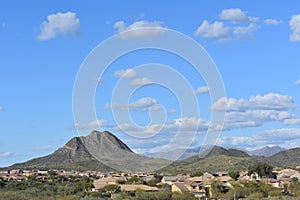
(75, 143)
(267, 151)
(99, 137)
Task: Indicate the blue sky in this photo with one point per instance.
(255, 45)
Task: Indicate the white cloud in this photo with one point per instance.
(1, 108)
(254, 118)
(139, 29)
(5, 154)
(217, 30)
(185, 124)
(295, 27)
(292, 121)
(202, 90)
(240, 141)
(270, 101)
(91, 125)
(297, 82)
(272, 21)
(284, 137)
(172, 111)
(279, 134)
(256, 111)
(64, 23)
(245, 31)
(222, 32)
(229, 104)
(236, 15)
(142, 81)
(188, 123)
(142, 104)
(126, 73)
(155, 107)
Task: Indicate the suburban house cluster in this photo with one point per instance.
(199, 186)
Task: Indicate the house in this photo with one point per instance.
(244, 176)
(180, 187)
(101, 183)
(224, 179)
(172, 179)
(204, 179)
(288, 173)
(198, 190)
(14, 171)
(130, 188)
(274, 182)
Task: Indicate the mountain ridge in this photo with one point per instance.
(105, 152)
(267, 151)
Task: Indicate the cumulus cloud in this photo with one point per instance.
(245, 31)
(217, 30)
(279, 134)
(272, 22)
(172, 111)
(91, 125)
(5, 154)
(224, 32)
(297, 82)
(254, 118)
(188, 123)
(285, 137)
(269, 101)
(272, 101)
(236, 15)
(295, 27)
(142, 104)
(256, 111)
(185, 124)
(139, 29)
(202, 90)
(142, 81)
(126, 73)
(156, 107)
(59, 23)
(238, 141)
(292, 121)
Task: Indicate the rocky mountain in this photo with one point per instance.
(101, 151)
(267, 151)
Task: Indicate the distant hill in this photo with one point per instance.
(214, 159)
(267, 151)
(181, 153)
(287, 158)
(221, 159)
(100, 151)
